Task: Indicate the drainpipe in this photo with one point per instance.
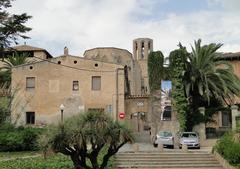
(117, 92)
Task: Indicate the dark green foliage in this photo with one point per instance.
(18, 139)
(177, 64)
(5, 102)
(11, 25)
(229, 147)
(91, 129)
(155, 70)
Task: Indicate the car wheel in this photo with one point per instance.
(155, 145)
(180, 147)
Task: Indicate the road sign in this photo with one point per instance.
(122, 115)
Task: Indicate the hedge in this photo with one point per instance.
(18, 138)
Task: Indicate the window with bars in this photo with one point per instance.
(96, 82)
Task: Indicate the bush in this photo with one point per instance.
(229, 148)
(18, 139)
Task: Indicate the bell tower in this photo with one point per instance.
(141, 49)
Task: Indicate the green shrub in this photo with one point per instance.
(18, 139)
(229, 148)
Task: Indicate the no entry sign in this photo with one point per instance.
(122, 115)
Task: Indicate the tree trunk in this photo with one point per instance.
(78, 164)
(94, 161)
(105, 160)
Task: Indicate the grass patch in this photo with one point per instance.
(7, 155)
(57, 161)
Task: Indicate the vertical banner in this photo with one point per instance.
(166, 105)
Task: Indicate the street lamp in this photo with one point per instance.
(62, 108)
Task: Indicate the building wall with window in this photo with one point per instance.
(77, 83)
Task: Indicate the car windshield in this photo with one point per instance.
(165, 134)
(189, 135)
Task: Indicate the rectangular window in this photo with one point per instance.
(75, 86)
(96, 109)
(109, 108)
(30, 83)
(30, 117)
(96, 82)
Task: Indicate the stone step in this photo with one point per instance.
(157, 167)
(164, 163)
(162, 155)
(166, 158)
(206, 166)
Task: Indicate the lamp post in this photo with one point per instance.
(62, 108)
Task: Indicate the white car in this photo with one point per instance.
(191, 139)
(165, 138)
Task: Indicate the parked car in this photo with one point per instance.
(164, 137)
(191, 139)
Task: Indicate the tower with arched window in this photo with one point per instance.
(141, 49)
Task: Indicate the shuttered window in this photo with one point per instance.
(30, 82)
(96, 82)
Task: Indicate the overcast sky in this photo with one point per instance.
(85, 24)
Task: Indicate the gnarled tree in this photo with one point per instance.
(84, 136)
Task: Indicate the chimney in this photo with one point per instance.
(65, 50)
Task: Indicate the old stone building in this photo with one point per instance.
(106, 79)
(34, 53)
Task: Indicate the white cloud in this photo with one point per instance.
(84, 24)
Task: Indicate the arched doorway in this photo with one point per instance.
(138, 120)
(167, 113)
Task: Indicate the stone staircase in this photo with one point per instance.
(166, 160)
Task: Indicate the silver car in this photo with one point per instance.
(165, 138)
(191, 139)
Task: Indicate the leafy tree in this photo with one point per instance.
(11, 25)
(82, 137)
(155, 74)
(155, 70)
(177, 65)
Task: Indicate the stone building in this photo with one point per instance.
(106, 79)
(33, 53)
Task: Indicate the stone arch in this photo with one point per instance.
(166, 114)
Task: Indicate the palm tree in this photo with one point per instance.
(207, 76)
(11, 61)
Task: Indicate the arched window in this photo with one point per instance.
(167, 113)
(142, 50)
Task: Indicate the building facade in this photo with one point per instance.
(105, 79)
